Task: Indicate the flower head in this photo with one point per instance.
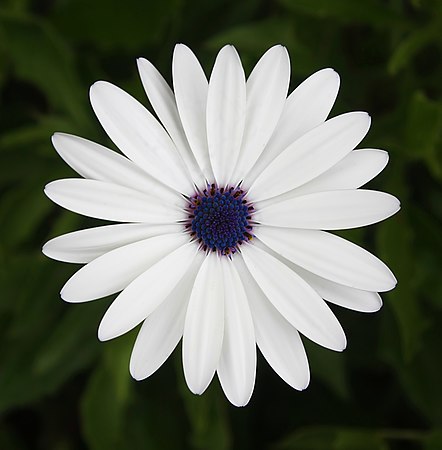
(223, 202)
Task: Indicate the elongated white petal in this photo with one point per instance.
(139, 135)
(204, 326)
(226, 110)
(162, 330)
(278, 341)
(305, 108)
(190, 87)
(163, 102)
(330, 257)
(294, 298)
(347, 297)
(146, 293)
(267, 88)
(96, 162)
(83, 246)
(110, 202)
(312, 154)
(352, 172)
(332, 210)
(237, 365)
(116, 269)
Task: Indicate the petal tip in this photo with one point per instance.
(197, 385)
(104, 334)
(180, 47)
(197, 389)
(306, 383)
(377, 307)
(329, 72)
(96, 87)
(240, 403)
(340, 342)
(58, 138)
(48, 189)
(395, 205)
(342, 345)
(46, 249)
(66, 294)
(393, 281)
(135, 371)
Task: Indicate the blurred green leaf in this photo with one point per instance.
(359, 440)
(256, 37)
(434, 440)
(409, 47)
(423, 132)
(395, 242)
(207, 415)
(38, 56)
(73, 337)
(33, 333)
(329, 367)
(333, 438)
(17, 6)
(420, 378)
(21, 212)
(10, 440)
(106, 397)
(29, 136)
(308, 439)
(102, 22)
(428, 253)
(373, 12)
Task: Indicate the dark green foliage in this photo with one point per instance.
(60, 388)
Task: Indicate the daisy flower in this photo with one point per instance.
(225, 200)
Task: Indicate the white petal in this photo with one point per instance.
(267, 88)
(83, 246)
(237, 365)
(163, 102)
(191, 86)
(305, 108)
(226, 109)
(146, 293)
(294, 298)
(162, 330)
(330, 257)
(278, 341)
(332, 210)
(204, 326)
(114, 270)
(139, 135)
(352, 172)
(312, 154)
(347, 297)
(96, 162)
(110, 202)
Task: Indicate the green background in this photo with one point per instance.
(60, 388)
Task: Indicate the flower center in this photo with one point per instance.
(219, 218)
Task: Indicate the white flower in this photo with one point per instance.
(224, 200)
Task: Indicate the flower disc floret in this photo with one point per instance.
(220, 219)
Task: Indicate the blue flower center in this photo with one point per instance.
(219, 218)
